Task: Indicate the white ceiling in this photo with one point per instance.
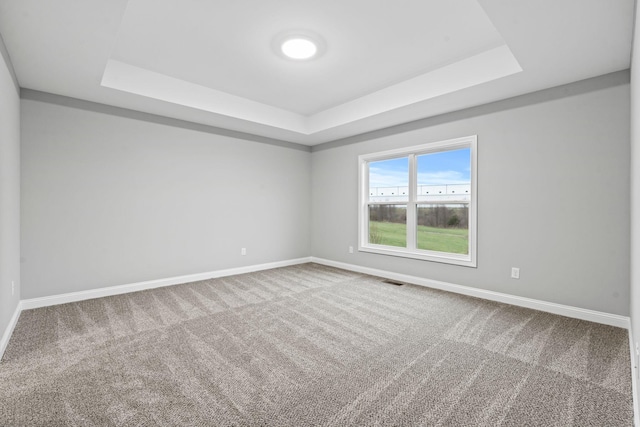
(384, 63)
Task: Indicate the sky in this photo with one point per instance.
(445, 167)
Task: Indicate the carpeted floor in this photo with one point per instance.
(310, 345)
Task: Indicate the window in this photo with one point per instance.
(420, 202)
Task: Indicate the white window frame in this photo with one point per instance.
(411, 251)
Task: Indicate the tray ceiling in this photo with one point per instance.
(214, 62)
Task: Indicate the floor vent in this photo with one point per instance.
(393, 282)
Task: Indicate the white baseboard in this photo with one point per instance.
(564, 310)
(9, 330)
(151, 284)
(634, 381)
(550, 307)
(28, 304)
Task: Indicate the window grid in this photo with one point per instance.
(416, 200)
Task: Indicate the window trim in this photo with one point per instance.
(467, 260)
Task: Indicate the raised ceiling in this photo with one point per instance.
(384, 63)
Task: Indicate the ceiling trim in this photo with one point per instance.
(593, 84)
(7, 59)
(489, 65)
(580, 87)
(139, 81)
(484, 67)
(65, 101)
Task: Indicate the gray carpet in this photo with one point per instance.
(310, 345)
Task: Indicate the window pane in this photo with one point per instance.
(443, 228)
(419, 202)
(388, 225)
(445, 175)
(389, 180)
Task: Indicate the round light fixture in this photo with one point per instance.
(299, 48)
(298, 45)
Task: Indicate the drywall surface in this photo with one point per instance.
(635, 189)
(9, 192)
(109, 200)
(553, 195)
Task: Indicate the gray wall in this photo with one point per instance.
(9, 190)
(635, 187)
(110, 200)
(553, 176)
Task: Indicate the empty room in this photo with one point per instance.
(319, 213)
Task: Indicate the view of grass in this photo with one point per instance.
(452, 240)
(388, 233)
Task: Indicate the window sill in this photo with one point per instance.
(433, 256)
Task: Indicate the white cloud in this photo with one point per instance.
(379, 177)
(442, 178)
(384, 177)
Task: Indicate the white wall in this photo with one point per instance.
(110, 200)
(635, 185)
(571, 244)
(9, 192)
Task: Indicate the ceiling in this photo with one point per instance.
(383, 63)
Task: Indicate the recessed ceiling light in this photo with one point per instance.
(299, 45)
(299, 48)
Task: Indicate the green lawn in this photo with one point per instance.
(453, 240)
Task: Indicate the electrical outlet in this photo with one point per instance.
(13, 288)
(243, 251)
(515, 273)
(350, 249)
